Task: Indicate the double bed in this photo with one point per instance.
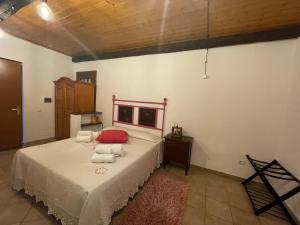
(78, 192)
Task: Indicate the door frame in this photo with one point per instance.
(22, 106)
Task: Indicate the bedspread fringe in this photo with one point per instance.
(59, 213)
(40, 196)
(132, 194)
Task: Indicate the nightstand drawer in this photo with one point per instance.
(176, 151)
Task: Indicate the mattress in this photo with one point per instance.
(77, 191)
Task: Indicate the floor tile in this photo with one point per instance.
(218, 209)
(241, 217)
(235, 187)
(2, 174)
(271, 220)
(217, 193)
(240, 201)
(197, 188)
(14, 213)
(6, 195)
(213, 220)
(215, 180)
(196, 200)
(38, 212)
(38, 222)
(4, 182)
(192, 216)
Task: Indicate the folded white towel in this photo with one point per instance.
(103, 158)
(84, 139)
(116, 149)
(84, 133)
(103, 149)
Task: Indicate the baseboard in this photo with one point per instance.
(219, 173)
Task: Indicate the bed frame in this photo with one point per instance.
(150, 115)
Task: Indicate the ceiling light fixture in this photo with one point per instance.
(44, 11)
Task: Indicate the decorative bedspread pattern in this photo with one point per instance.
(77, 191)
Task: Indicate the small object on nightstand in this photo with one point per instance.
(176, 131)
(178, 150)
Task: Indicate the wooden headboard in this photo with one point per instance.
(149, 115)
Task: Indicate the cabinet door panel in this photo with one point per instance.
(59, 112)
(69, 108)
(85, 94)
(176, 151)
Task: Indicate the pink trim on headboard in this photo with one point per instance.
(113, 109)
(127, 103)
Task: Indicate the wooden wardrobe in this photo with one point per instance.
(71, 97)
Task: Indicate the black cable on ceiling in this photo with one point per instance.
(207, 34)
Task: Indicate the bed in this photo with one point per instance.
(77, 191)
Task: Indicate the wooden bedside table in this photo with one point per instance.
(178, 150)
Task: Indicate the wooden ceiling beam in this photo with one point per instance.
(272, 35)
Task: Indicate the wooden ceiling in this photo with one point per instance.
(100, 26)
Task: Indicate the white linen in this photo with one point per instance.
(84, 133)
(103, 158)
(116, 149)
(102, 149)
(84, 139)
(77, 191)
(95, 134)
(144, 135)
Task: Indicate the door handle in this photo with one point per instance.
(18, 110)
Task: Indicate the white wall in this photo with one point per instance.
(240, 109)
(41, 67)
(289, 154)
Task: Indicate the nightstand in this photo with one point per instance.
(178, 150)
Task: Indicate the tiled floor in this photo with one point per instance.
(213, 200)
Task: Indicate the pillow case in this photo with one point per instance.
(144, 135)
(113, 136)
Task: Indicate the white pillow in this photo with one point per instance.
(143, 135)
(115, 128)
(84, 133)
(136, 133)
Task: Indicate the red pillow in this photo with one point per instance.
(113, 136)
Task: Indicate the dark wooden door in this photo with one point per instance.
(10, 104)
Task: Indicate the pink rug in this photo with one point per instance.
(161, 202)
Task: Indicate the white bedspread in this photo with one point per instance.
(77, 191)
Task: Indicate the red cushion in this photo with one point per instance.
(113, 136)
